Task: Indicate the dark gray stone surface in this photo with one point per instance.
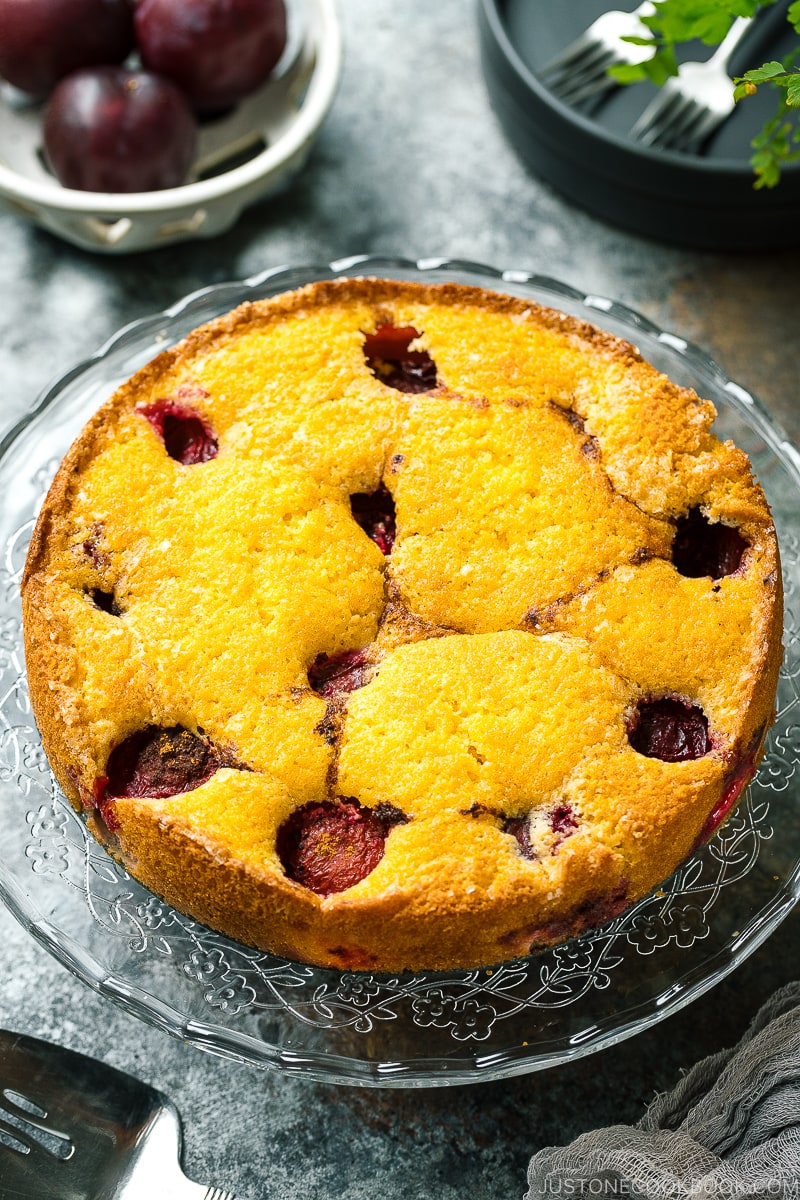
(410, 161)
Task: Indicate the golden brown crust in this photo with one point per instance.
(530, 603)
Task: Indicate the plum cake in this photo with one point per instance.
(390, 626)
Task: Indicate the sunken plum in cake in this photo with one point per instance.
(389, 626)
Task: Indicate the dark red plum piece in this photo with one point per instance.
(107, 129)
(187, 436)
(41, 41)
(216, 51)
(591, 913)
(331, 846)
(738, 778)
(735, 784)
(705, 548)
(670, 729)
(390, 360)
(157, 763)
(330, 674)
(562, 821)
(520, 828)
(375, 513)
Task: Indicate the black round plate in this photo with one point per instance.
(705, 201)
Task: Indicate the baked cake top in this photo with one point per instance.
(469, 563)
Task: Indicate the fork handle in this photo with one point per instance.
(731, 40)
(766, 25)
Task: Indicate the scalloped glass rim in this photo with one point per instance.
(435, 1028)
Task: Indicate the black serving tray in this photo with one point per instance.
(706, 202)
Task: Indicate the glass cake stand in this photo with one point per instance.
(425, 1029)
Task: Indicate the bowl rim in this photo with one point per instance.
(494, 24)
(323, 30)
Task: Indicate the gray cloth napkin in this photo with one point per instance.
(730, 1129)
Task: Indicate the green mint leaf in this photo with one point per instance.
(712, 28)
(662, 66)
(627, 73)
(768, 71)
(769, 176)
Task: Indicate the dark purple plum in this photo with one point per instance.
(669, 728)
(375, 513)
(187, 436)
(390, 360)
(41, 41)
(331, 846)
(704, 548)
(158, 763)
(216, 51)
(107, 129)
(330, 674)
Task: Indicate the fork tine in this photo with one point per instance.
(13, 1138)
(705, 127)
(694, 132)
(566, 60)
(685, 125)
(591, 90)
(682, 131)
(583, 62)
(591, 77)
(658, 116)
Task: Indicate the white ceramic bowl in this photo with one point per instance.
(268, 136)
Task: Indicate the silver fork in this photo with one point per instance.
(693, 103)
(580, 72)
